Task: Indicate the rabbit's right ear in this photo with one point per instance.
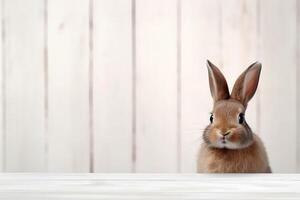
(246, 85)
(217, 83)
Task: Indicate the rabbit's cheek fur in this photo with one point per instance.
(213, 138)
(235, 141)
(235, 138)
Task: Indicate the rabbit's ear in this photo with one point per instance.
(217, 83)
(246, 85)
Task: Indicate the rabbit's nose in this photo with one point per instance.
(225, 133)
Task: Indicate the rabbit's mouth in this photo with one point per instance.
(226, 143)
(223, 140)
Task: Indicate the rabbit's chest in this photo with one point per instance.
(231, 161)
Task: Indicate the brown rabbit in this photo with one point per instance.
(229, 144)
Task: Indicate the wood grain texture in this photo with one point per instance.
(121, 85)
(298, 87)
(112, 86)
(24, 85)
(155, 186)
(2, 114)
(156, 89)
(278, 82)
(68, 75)
(200, 41)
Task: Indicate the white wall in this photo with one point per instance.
(121, 85)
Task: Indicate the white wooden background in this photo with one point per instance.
(121, 85)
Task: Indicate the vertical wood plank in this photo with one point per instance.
(112, 86)
(298, 87)
(200, 41)
(2, 134)
(278, 82)
(68, 42)
(24, 86)
(156, 98)
(239, 46)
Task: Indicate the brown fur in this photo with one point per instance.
(250, 77)
(229, 145)
(252, 159)
(235, 138)
(226, 112)
(212, 137)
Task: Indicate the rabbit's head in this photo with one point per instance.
(228, 127)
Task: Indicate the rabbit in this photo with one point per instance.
(229, 145)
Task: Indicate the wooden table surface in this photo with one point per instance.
(149, 186)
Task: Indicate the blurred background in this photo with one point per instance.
(122, 86)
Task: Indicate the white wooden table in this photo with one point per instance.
(149, 186)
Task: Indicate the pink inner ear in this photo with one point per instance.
(217, 83)
(250, 83)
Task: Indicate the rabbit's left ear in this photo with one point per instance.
(246, 85)
(217, 83)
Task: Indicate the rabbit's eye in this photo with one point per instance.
(241, 118)
(211, 118)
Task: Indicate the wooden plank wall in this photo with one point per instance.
(24, 85)
(112, 86)
(68, 85)
(121, 86)
(156, 86)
